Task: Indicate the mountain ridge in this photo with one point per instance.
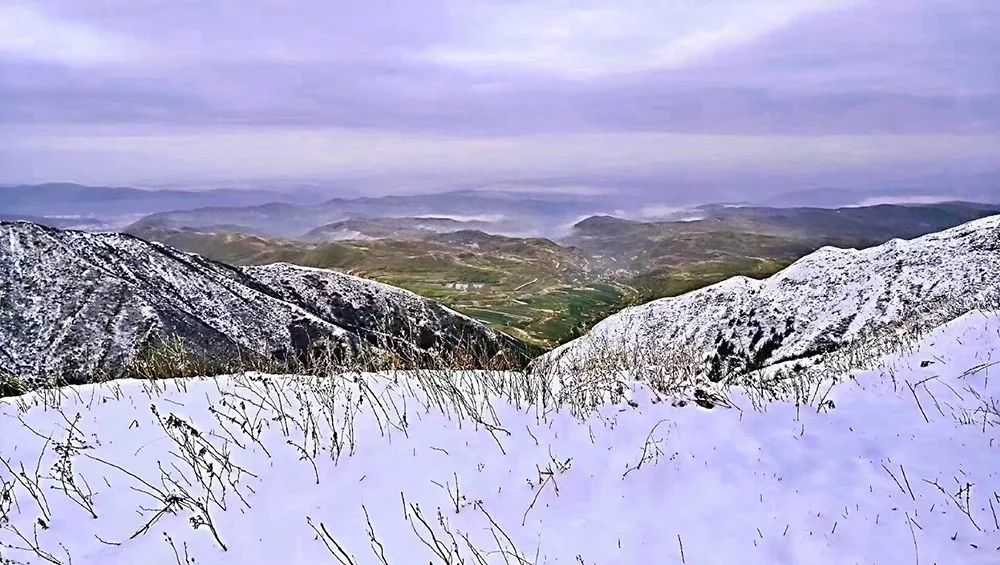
(79, 305)
(62, 198)
(818, 304)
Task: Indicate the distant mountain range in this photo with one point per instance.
(80, 306)
(822, 302)
(853, 226)
(673, 257)
(304, 213)
(981, 188)
(106, 202)
(509, 214)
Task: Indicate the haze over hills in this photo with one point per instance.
(391, 228)
(74, 222)
(982, 187)
(529, 210)
(526, 214)
(119, 205)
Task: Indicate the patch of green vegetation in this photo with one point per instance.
(549, 317)
(493, 317)
(542, 293)
(665, 282)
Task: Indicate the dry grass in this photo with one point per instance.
(383, 351)
(809, 382)
(604, 368)
(315, 413)
(315, 416)
(11, 385)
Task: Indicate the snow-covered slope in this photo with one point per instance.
(820, 303)
(376, 312)
(470, 468)
(82, 305)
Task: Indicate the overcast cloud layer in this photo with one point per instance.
(477, 91)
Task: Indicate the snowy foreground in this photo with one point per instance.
(904, 467)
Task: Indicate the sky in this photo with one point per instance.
(797, 93)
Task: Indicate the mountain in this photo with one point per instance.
(511, 214)
(875, 223)
(82, 306)
(389, 468)
(983, 187)
(631, 240)
(520, 467)
(819, 304)
(69, 199)
(71, 222)
(677, 256)
(390, 228)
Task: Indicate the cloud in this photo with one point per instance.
(26, 32)
(903, 199)
(486, 218)
(560, 189)
(667, 212)
(588, 39)
(274, 152)
(498, 91)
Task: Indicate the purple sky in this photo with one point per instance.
(473, 91)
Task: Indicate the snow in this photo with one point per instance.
(823, 301)
(76, 304)
(357, 291)
(622, 484)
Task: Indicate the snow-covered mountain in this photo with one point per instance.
(79, 305)
(819, 304)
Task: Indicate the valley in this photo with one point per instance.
(546, 292)
(533, 289)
